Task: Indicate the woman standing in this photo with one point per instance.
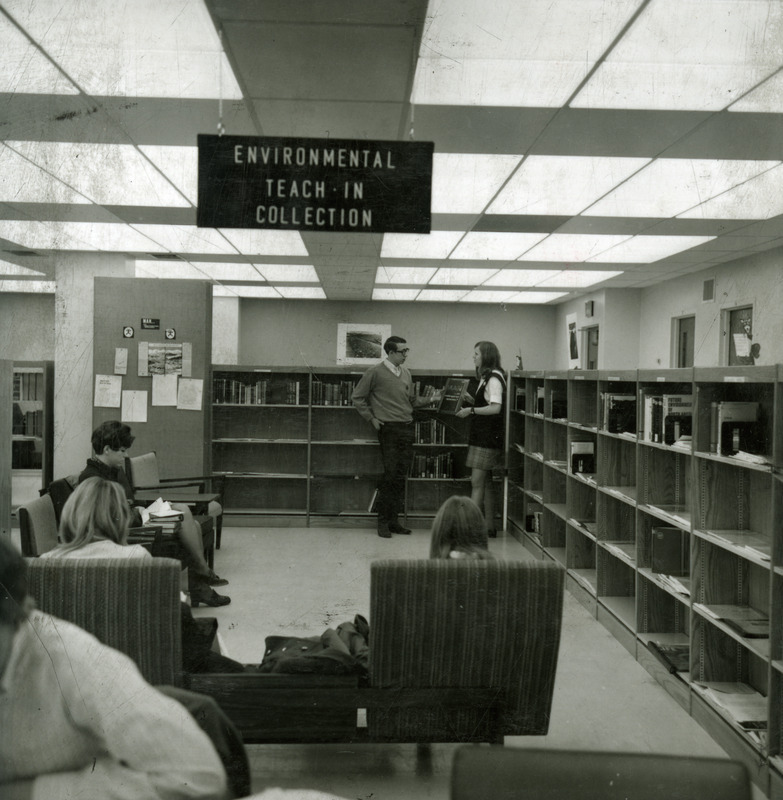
(487, 428)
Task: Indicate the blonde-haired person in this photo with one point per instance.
(458, 531)
(94, 524)
(486, 438)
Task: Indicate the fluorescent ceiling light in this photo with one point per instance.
(453, 276)
(267, 292)
(689, 54)
(174, 268)
(76, 236)
(759, 198)
(186, 239)
(766, 99)
(491, 246)
(442, 295)
(394, 294)
(561, 185)
(7, 268)
(404, 274)
(535, 297)
(148, 48)
(437, 244)
(23, 182)
(577, 278)
(487, 296)
(477, 50)
(646, 249)
(520, 277)
(29, 287)
(669, 186)
(25, 70)
(178, 164)
(302, 292)
(463, 183)
(572, 247)
(292, 273)
(259, 242)
(107, 174)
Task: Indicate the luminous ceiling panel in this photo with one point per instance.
(442, 295)
(646, 249)
(394, 294)
(562, 279)
(266, 243)
(689, 54)
(460, 277)
(292, 273)
(178, 164)
(23, 182)
(670, 186)
(437, 244)
(187, 239)
(535, 297)
(404, 274)
(144, 48)
(495, 246)
(767, 98)
(246, 291)
(521, 277)
(573, 247)
(76, 236)
(465, 183)
(28, 287)
(25, 69)
(302, 292)
(488, 296)
(560, 185)
(470, 52)
(759, 198)
(108, 174)
(197, 270)
(7, 268)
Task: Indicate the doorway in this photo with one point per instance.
(591, 347)
(740, 348)
(684, 333)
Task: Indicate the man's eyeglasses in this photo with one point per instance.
(404, 351)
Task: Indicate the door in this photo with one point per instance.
(741, 349)
(591, 347)
(686, 329)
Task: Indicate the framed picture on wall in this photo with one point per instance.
(361, 343)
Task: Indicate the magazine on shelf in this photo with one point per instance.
(675, 657)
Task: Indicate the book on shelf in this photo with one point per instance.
(666, 417)
(559, 404)
(744, 620)
(734, 427)
(619, 413)
(749, 628)
(669, 549)
(675, 657)
(582, 457)
(372, 506)
(741, 702)
(453, 395)
(677, 511)
(519, 398)
(539, 407)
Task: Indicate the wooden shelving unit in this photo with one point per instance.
(661, 489)
(32, 432)
(292, 446)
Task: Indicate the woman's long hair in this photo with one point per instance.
(490, 359)
(459, 527)
(97, 509)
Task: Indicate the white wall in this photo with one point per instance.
(441, 335)
(225, 330)
(27, 326)
(756, 281)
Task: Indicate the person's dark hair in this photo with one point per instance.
(390, 345)
(459, 528)
(112, 433)
(13, 584)
(490, 359)
(97, 509)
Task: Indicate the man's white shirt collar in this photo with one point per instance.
(395, 370)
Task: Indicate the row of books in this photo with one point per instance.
(666, 417)
(256, 393)
(423, 390)
(618, 413)
(28, 423)
(332, 394)
(735, 427)
(437, 466)
(429, 431)
(28, 386)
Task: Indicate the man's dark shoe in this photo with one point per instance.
(383, 530)
(395, 527)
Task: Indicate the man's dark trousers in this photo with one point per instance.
(396, 439)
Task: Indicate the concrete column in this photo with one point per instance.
(73, 352)
(225, 330)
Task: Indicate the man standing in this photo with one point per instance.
(384, 397)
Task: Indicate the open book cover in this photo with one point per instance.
(453, 395)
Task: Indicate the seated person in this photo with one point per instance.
(78, 720)
(94, 524)
(459, 530)
(110, 442)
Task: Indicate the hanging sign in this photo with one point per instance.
(346, 185)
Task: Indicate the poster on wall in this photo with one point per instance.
(573, 342)
(361, 343)
(134, 406)
(189, 394)
(107, 391)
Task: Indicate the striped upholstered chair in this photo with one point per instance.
(463, 623)
(130, 605)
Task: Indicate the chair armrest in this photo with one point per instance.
(215, 481)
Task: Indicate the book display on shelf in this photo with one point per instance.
(291, 444)
(674, 537)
